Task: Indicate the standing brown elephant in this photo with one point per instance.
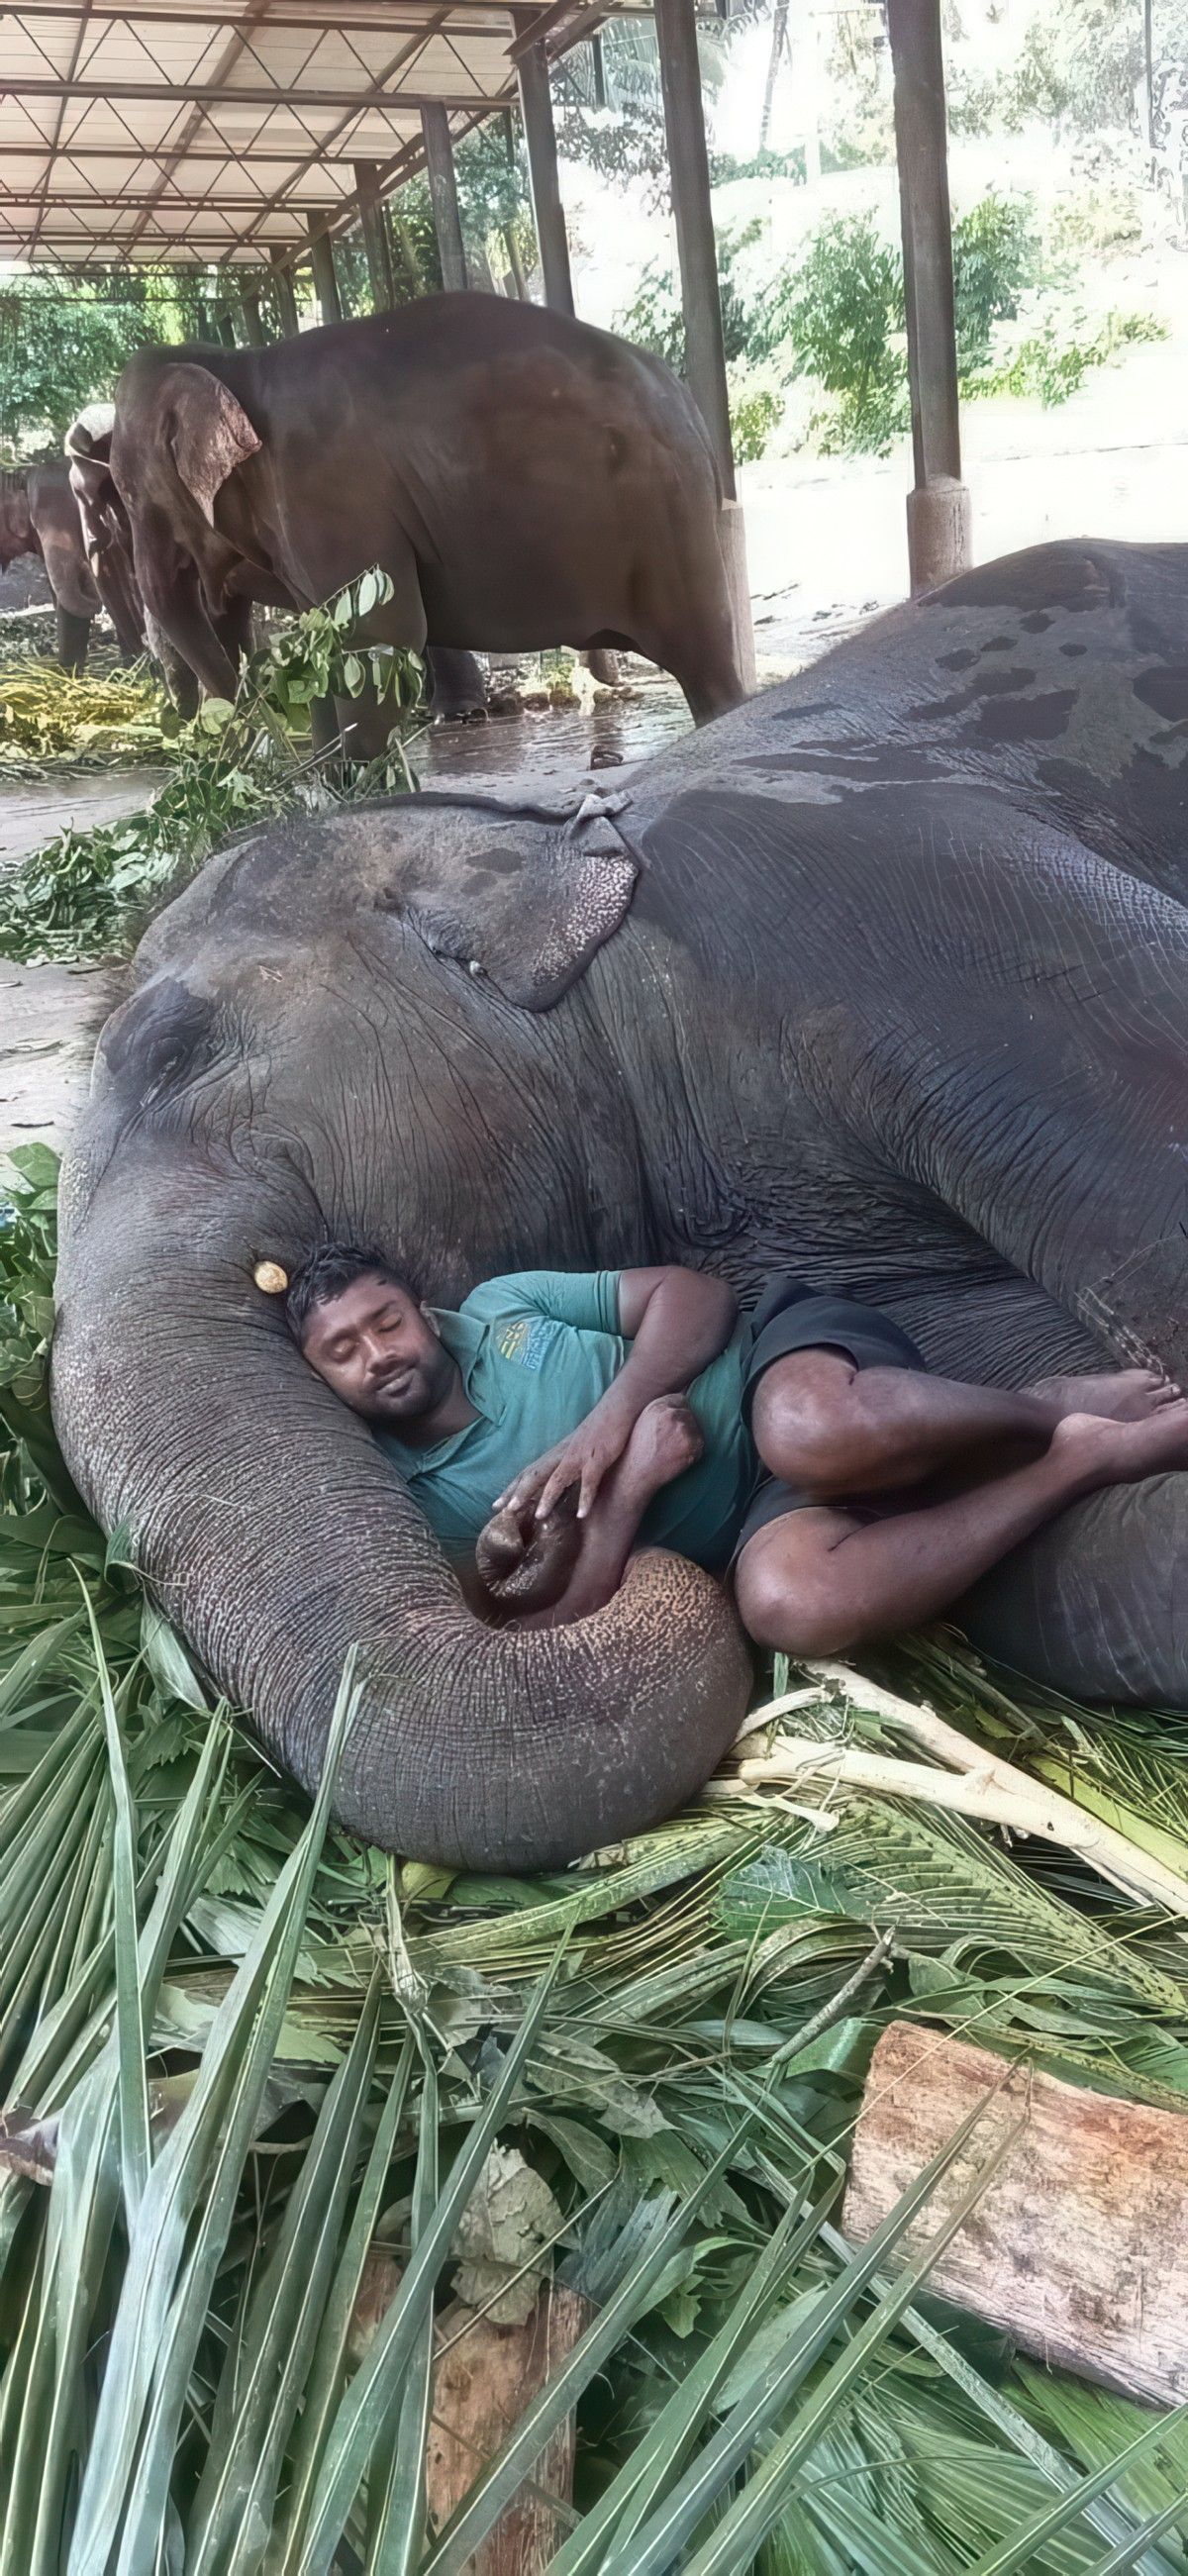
(524, 480)
(39, 515)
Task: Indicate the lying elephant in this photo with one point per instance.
(883, 978)
(39, 515)
(524, 480)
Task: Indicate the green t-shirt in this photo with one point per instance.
(537, 1349)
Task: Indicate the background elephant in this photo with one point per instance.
(856, 982)
(39, 514)
(456, 683)
(524, 480)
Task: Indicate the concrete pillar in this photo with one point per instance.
(321, 252)
(688, 170)
(443, 196)
(286, 297)
(732, 537)
(938, 509)
(375, 235)
(253, 322)
(540, 136)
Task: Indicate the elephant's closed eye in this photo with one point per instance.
(162, 1033)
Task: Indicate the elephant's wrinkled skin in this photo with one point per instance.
(884, 976)
(524, 480)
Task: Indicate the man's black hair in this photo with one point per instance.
(328, 1271)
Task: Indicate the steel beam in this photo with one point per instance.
(540, 137)
(443, 196)
(938, 509)
(375, 236)
(688, 169)
(212, 94)
(370, 21)
(325, 278)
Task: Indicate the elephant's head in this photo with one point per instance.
(393, 1028)
(178, 439)
(18, 535)
(107, 536)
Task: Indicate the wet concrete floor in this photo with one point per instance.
(50, 1015)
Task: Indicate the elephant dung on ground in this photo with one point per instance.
(882, 978)
(525, 481)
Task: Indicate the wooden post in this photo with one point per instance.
(1078, 2245)
(689, 181)
(225, 328)
(321, 251)
(253, 322)
(375, 236)
(938, 510)
(540, 136)
(286, 296)
(443, 196)
(701, 302)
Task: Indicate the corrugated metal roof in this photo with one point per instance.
(148, 130)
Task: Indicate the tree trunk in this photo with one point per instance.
(1079, 2243)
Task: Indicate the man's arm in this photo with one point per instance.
(676, 1321)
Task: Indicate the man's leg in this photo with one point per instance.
(820, 1582)
(824, 1425)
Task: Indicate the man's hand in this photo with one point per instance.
(584, 1459)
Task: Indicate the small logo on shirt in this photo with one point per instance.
(526, 1339)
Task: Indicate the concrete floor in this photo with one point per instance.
(49, 1015)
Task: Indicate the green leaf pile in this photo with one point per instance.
(87, 894)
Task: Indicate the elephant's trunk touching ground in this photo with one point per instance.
(276, 1536)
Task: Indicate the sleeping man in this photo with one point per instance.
(560, 1420)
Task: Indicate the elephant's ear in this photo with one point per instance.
(207, 432)
(529, 917)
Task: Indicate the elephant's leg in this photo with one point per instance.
(603, 666)
(1097, 1604)
(74, 635)
(459, 691)
(1031, 1074)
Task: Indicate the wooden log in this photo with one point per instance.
(1079, 2243)
(485, 2379)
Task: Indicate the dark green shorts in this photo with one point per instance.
(791, 1317)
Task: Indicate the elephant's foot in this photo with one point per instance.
(459, 691)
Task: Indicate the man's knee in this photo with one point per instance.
(789, 1594)
(806, 1416)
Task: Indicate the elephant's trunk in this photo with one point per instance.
(276, 1536)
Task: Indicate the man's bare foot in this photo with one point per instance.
(1111, 1452)
(667, 1438)
(1121, 1395)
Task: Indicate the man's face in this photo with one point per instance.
(379, 1351)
